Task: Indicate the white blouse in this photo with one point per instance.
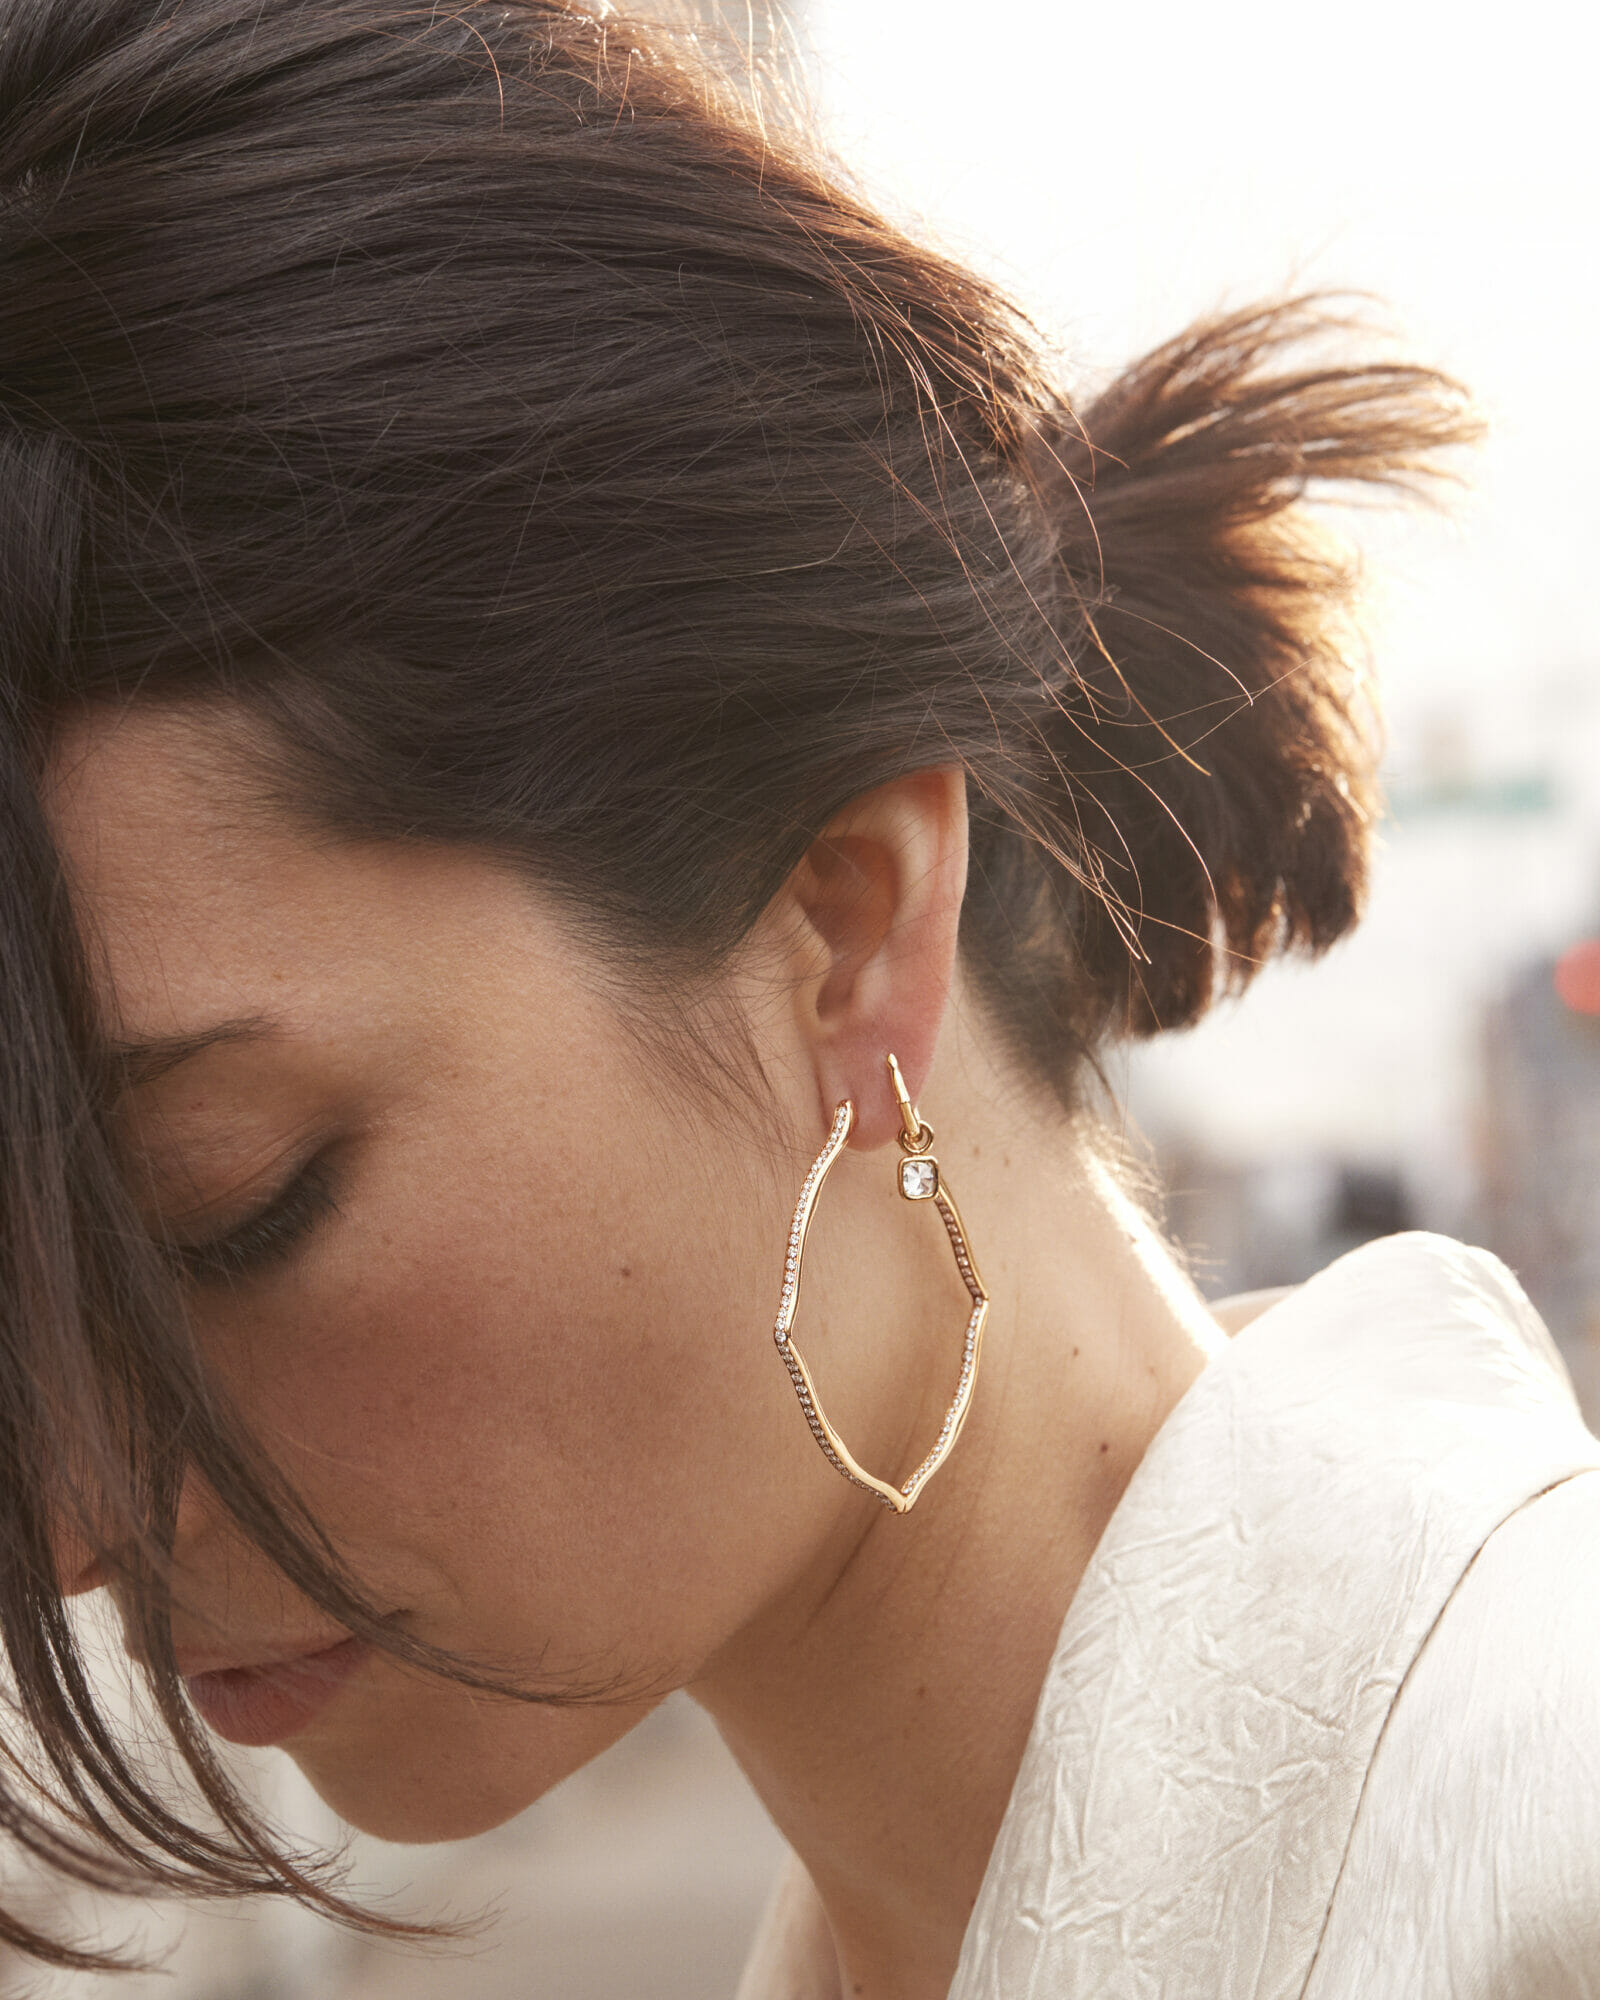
(1324, 1716)
(1323, 1720)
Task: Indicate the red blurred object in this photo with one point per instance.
(1578, 976)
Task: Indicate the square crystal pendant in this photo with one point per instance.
(919, 1179)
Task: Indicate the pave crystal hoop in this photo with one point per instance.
(919, 1180)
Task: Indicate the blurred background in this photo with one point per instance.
(1125, 168)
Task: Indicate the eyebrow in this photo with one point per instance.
(141, 1062)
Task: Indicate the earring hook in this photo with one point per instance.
(915, 1137)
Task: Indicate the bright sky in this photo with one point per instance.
(1129, 165)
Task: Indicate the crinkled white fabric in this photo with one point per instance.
(1475, 1862)
(1208, 1804)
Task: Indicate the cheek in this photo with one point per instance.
(538, 1411)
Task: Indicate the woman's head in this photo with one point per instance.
(479, 1268)
(513, 574)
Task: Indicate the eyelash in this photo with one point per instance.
(270, 1236)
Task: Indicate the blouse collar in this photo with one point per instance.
(1198, 1753)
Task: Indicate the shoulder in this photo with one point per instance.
(1421, 1281)
(1475, 1854)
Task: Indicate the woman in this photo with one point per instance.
(544, 644)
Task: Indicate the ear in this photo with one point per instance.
(877, 901)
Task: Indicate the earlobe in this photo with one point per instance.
(880, 894)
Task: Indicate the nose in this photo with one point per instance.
(85, 1560)
(79, 1566)
(90, 1576)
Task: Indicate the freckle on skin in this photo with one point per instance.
(624, 1270)
(1105, 1447)
(1076, 1352)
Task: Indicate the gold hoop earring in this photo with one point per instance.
(919, 1180)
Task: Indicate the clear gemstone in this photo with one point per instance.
(919, 1179)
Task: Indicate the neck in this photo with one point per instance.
(881, 1708)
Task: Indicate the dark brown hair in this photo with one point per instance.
(564, 462)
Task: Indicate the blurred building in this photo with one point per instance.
(1276, 1220)
(1277, 1215)
(1348, 1099)
(1540, 1147)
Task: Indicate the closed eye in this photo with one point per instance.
(273, 1235)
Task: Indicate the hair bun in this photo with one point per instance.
(1214, 738)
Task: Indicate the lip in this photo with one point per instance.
(266, 1703)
